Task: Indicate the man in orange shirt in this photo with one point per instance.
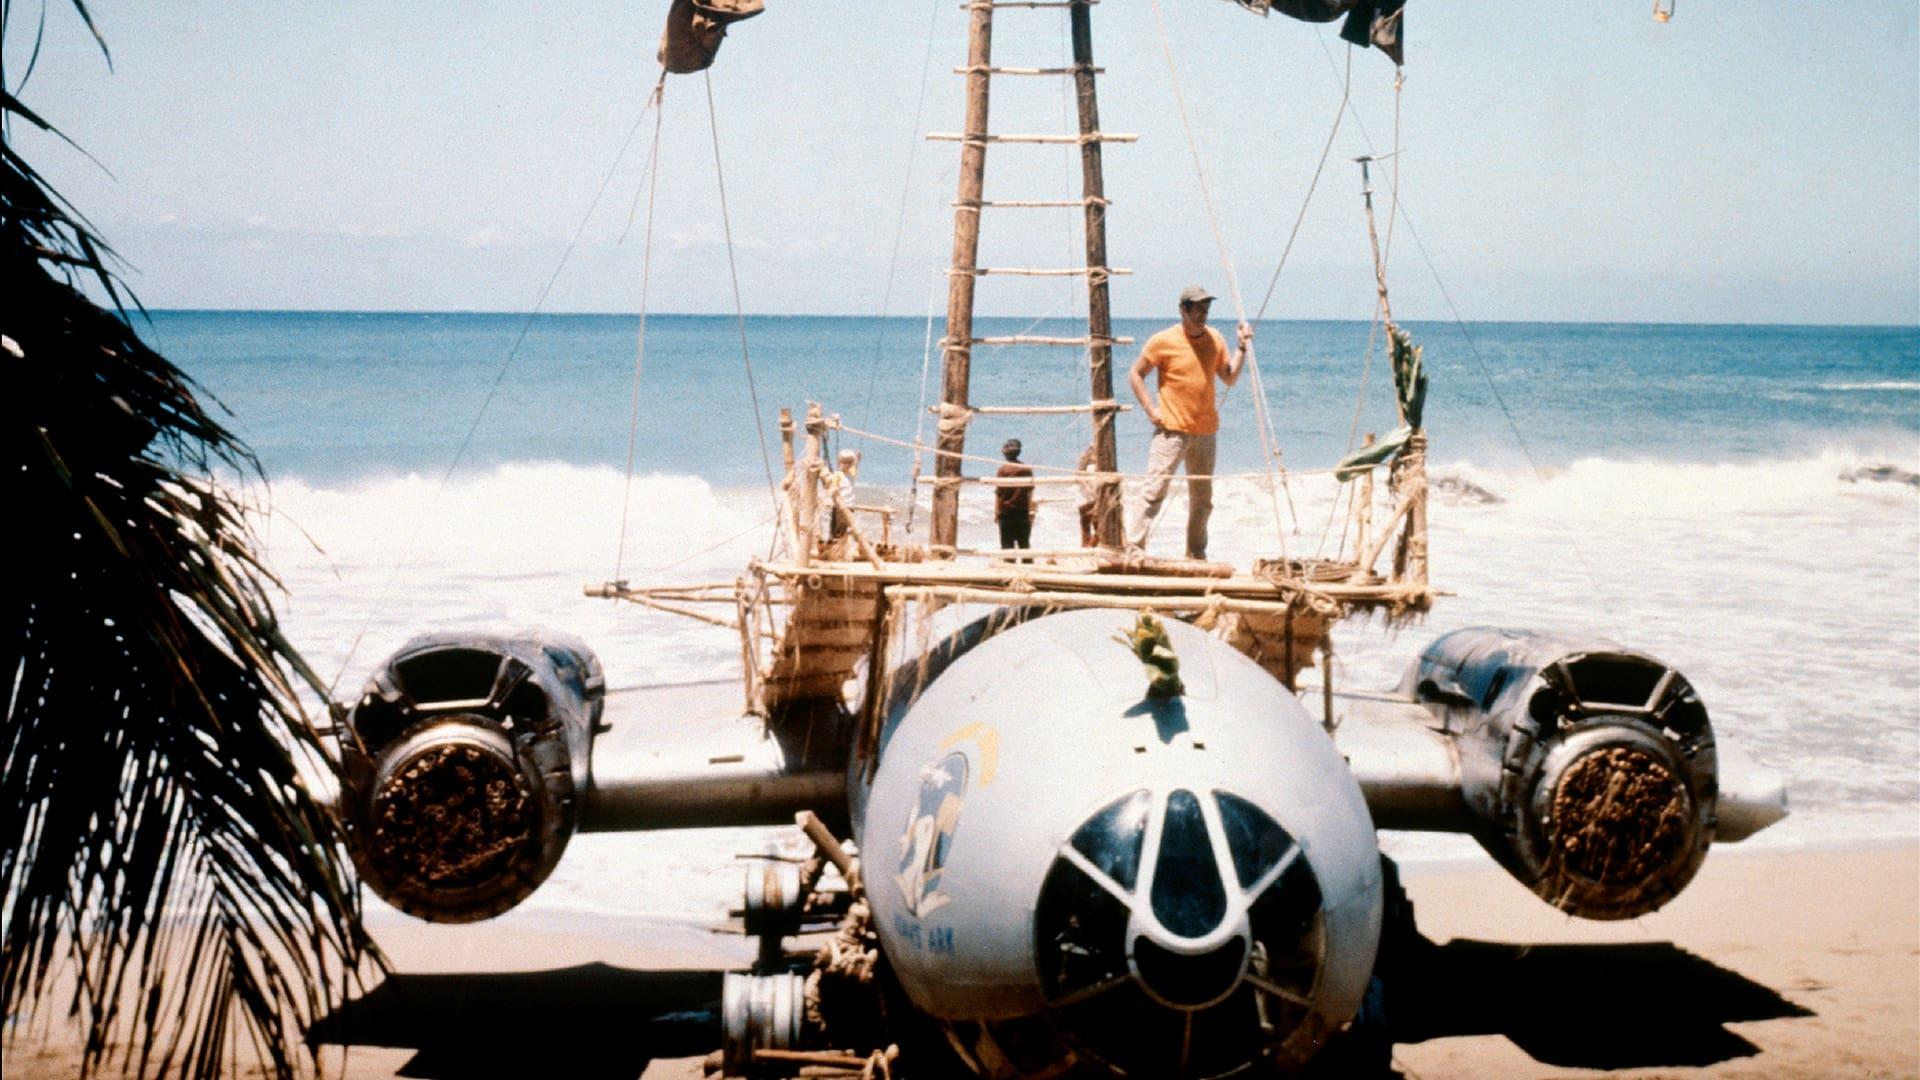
(1185, 420)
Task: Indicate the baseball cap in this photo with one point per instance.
(1194, 294)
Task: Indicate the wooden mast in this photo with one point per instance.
(957, 346)
(1099, 313)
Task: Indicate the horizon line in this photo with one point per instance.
(919, 318)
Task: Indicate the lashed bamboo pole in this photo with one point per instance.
(853, 529)
(806, 492)
(1107, 516)
(971, 594)
(644, 600)
(948, 574)
(1363, 505)
(1372, 554)
(957, 344)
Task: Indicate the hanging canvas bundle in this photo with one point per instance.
(695, 29)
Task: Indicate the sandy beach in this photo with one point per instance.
(1773, 964)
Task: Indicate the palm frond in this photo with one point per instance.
(166, 873)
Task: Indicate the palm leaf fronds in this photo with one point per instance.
(165, 874)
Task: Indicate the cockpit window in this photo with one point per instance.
(1287, 934)
(1188, 896)
(1080, 931)
(1256, 841)
(1112, 838)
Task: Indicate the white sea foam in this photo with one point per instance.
(1790, 598)
(1882, 384)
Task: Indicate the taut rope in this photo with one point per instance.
(466, 441)
(1263, 420)
(640, 344)
(739, 312)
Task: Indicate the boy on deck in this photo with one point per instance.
(1013, 503)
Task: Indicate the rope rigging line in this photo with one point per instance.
(1359, 402)
(652, 185)
(740, 313)
(709, 549)
(499, 378)
(1382, 258)
(920, 414)
(1340, 113)
(1262, 419)
(900, 222)
(1486, 373)
(1393, 185)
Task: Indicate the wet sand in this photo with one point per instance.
(1773, 964)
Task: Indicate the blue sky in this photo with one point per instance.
(1745, 162)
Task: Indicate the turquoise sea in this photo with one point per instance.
(1739, 500)
(337, 396)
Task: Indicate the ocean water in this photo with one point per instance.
(1687, 490)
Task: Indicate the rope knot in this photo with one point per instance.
(954, 419)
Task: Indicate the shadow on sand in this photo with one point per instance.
(1585, 1006)
(1579, 1006)
(588, 1021)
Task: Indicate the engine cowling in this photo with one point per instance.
(464, 763)
(1590, 769)
(1063, 868)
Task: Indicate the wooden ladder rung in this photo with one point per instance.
(1046, 140)
(1042, 271)
(1040, 410)
(1034, 339)
(994, 5)
(999, 204)
(989, 70)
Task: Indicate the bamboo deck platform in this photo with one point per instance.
(828, 611)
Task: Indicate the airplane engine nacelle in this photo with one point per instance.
(1589, 768)
(1062, 868)
(464, 761)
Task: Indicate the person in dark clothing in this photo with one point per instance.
(1013, 503)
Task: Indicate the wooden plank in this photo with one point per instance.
(971, 139)
(1028, 71)
(812, 686)
(1042, 271)
(1045, 339)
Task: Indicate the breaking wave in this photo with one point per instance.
(1787, 594)
(1883, 384)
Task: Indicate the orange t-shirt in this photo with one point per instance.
(1186, 367)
